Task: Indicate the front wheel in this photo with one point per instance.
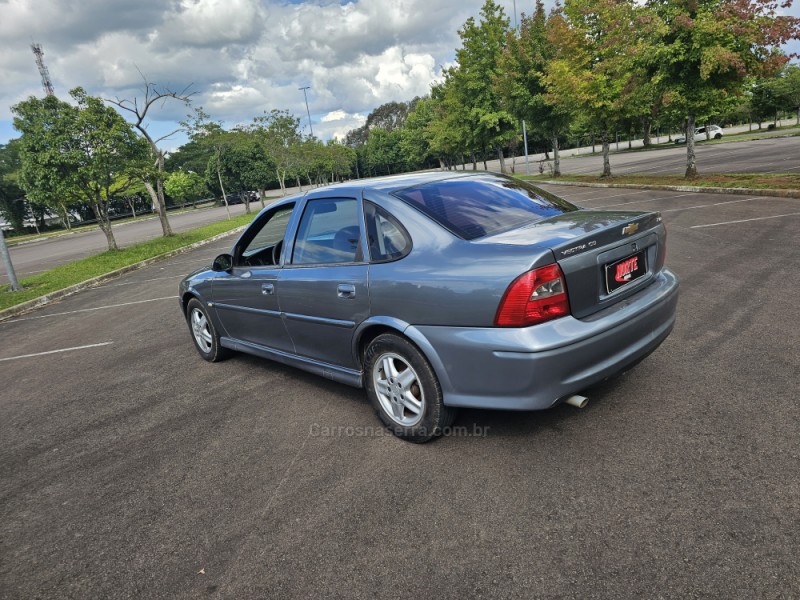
(205, 336)
(404, 390)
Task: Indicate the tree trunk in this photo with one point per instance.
(646, 131)
(246, 199)
(691, 166)
(261, 194)
(224, 196)
(105, 224)
(798, 115)
(502, 159)
(281, 180)
(606, 160)
(152, 192)
(66, 217)
(556, 157)
(442, 166)
(474, 162)
(162, 205)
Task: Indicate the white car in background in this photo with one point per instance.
(714, 132)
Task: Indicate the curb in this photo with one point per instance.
(29, 305)
(683, 188)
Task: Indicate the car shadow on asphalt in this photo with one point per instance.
(469, 422)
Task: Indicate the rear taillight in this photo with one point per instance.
(534, 297)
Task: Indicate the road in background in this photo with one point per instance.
(771, 155)
(129, 467)
(37, 256)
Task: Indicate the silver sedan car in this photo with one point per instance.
(440, 290)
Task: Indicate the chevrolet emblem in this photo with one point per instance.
(630, 228)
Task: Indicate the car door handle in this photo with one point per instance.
(346, 290)
(267, 289)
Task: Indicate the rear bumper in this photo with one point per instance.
(533, 368)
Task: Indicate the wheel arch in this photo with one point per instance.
(371, 329)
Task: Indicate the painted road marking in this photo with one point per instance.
(100, 287)
(72, 312)
(56, 351)
(716, 204)
(644, 201)
(744, 220)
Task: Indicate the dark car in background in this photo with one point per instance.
(440, 290)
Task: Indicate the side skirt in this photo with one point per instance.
(328, 371)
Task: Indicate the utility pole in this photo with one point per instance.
(307, 111)
(46, 83)
(12, 277)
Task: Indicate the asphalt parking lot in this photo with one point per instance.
(129, 467)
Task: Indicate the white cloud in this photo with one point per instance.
(242, 57)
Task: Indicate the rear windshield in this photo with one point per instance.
(475, 207)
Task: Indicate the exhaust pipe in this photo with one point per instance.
(577, 401)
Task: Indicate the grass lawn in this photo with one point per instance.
(76, 272)
(772, 181)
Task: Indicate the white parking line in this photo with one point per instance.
(716, 204)
(744, 220)
(72, 312)
(56, 351)
(643, 201)
(100, 287)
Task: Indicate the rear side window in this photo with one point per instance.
(388, 240)
(475, 207)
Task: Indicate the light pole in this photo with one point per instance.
(307, 111)
(12, 276)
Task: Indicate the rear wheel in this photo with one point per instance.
(404, 389)
(718, 136)
(205, 336)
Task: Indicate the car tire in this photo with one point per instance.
(718, 136)
(404, 390)
(204, 334)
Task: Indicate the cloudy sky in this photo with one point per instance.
(241, 57)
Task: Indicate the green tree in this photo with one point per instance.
(12, 203)
(789, 88)
(75, 153)
(279, 133)
(383, 151)
(473, 110)
(342, 159)
(590, 75)
(184, 186)
(415, 145)
(520, 83)
(707, 49)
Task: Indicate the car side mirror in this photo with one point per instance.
(223, 263)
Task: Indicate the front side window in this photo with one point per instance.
(329, 233)
(260, 248)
